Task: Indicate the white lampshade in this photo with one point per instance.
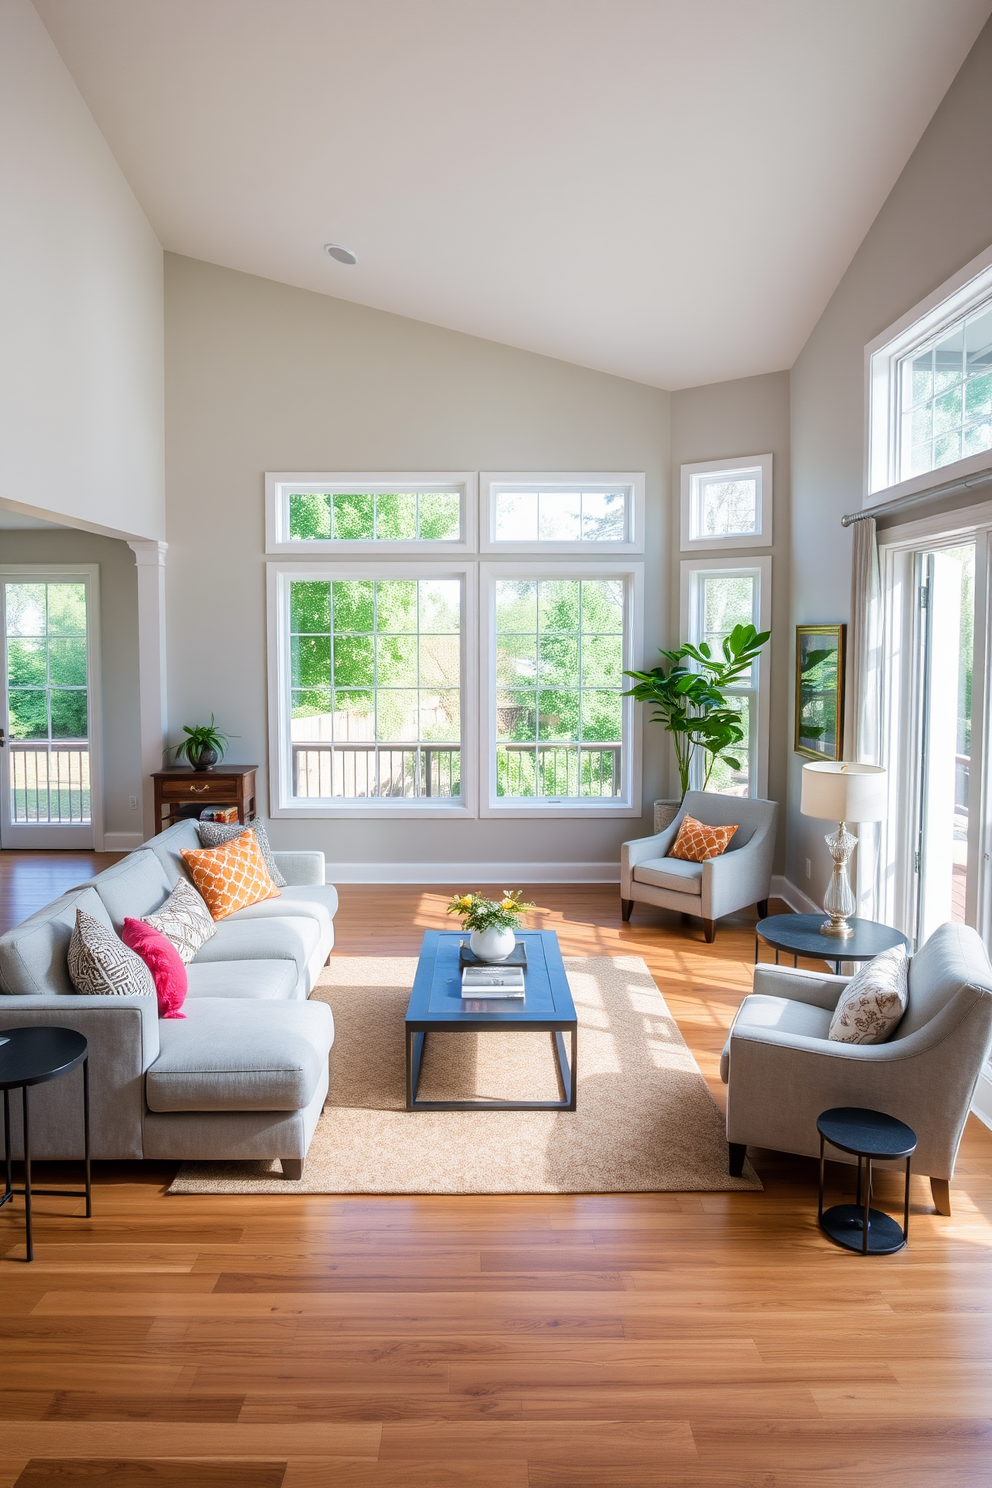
(838, 791)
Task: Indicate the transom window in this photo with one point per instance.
(562, 513)
(369, 513)
(727, 503)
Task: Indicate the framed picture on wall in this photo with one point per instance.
(820, 691)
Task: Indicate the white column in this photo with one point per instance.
(152, 695)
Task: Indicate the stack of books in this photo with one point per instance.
(493, 979)
(224, 814)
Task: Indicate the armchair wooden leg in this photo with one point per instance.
(709, 930)
(940, 1188)
(292, 1168)
(762, 909)
(737, 1152)
(626, 905)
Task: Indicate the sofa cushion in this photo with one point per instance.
(135, 887)
(168, 847)
(317, 901)
(283, 939)
(270, 980)
(231, 876)
(163, 961)
(212, 834)
(234, 1055)
(185, 920)
(34, 954)
(760, 1011)
(101, 965)
(671, 873)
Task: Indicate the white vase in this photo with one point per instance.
(492, 945)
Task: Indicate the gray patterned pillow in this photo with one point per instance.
(870, 1006)
(101, 965)
(184, 919)
(212, 834)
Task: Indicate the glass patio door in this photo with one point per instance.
(47, 767)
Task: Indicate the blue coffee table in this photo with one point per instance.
(436, 1005)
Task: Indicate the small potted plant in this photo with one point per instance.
(204, 745)
(493, 923)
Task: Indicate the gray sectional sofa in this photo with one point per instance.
(242, 1076)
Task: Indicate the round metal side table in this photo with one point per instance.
(33, 1056)
(799, 935)
(868, 1136)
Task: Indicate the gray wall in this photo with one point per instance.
(937, 218)
(261, 377)
(118, 654)
(749, 416)
(80, 302)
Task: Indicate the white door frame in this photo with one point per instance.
(59, 836)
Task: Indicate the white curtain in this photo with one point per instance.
(863, 712)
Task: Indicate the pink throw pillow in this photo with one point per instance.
(164, 963)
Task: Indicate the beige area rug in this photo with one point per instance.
(646, 1121)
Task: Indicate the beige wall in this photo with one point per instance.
(937, 218)
(261, 377)
(749, 416)
(81, 376)
(118, 656)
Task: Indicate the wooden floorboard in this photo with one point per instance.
(525, 1341)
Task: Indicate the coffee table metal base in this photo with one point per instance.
(565, 1069)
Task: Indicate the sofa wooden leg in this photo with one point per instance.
(940, 1188)
(737, 1152)
(762, 909)
(292, 1168)
(626, 905)
(709, 930)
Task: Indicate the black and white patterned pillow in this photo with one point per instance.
(101, 965)
(213, 834)
(184, 919)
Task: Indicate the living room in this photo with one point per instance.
(642, 336)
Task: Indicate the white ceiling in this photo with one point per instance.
(665, 189)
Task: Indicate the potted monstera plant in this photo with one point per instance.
(204, 745)
(687, 694)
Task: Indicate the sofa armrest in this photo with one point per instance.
(819, 989)
(301, 867)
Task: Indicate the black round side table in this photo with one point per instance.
(867, 1135)
(799, 935)
(33, 1056)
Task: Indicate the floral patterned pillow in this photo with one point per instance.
(874, 1000)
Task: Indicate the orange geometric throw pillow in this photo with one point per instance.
(232, 876)
(697, 843)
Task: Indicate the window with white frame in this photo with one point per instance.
(370, 683)
(366, 513)
(559, 735)
(727, 503)
(929, 388)
(716, 596)
(562, 513)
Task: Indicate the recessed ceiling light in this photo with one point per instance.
(343, 255)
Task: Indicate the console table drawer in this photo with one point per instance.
(174, 790)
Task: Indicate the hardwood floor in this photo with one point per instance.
(711, 1340)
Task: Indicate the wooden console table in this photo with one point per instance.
(224, 785)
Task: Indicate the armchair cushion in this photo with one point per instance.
(671, 873)
(874, 1000)
(698, 841)
(759, 1014)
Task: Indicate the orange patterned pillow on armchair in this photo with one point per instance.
(697, 842)
(232, 876)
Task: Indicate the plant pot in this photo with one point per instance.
(492, 945)
(205, 760)
(665, 813)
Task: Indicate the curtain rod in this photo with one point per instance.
(903, 503)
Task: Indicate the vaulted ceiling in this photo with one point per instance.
(669, 190)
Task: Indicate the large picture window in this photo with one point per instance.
(557, 640)
(370, 691)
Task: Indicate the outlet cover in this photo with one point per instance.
(132, 801)
(809, 869)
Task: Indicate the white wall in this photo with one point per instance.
(261, 377)
(81, 375)
(936, 219)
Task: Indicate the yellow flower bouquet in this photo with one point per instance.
(478, 913)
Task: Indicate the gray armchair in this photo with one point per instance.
(783, 1071)
(741, 876)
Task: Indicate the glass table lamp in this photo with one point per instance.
(835, 790)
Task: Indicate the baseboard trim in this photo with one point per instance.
(466, 875)
(122, 842)
(982, 1103)
(801, 903)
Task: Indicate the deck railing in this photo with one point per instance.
(356, 769)
(49, 783)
